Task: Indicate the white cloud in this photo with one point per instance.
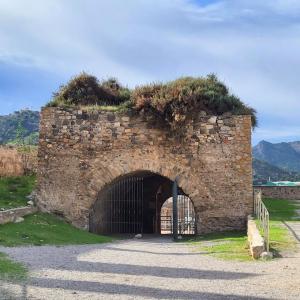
(252, 45)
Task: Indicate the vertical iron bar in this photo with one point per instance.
(142, 204)
(113, 205)
(119, 206)
(110, 211)
(134, 191)
(175, 210)
(135, 203)
(130, 202)
(122, 205)
(126, 207)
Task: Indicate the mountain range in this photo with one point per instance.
(276, 162)
(23, 124)
(263, 172)
(282, 155)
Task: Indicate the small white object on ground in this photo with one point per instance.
(30, 202)
(138, 236)
(19, 220)
(266, 255)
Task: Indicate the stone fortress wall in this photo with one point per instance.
(80, 152)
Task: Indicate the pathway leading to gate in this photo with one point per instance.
(154, 268)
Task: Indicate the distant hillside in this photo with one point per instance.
(283, 155)
(262, 171)
(26, 121)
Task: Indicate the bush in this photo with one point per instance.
(85, 89)
(174, 102)
(120, 94)
(178, 100)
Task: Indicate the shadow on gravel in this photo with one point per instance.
(152, 252)
(136, 291)
(166, 272)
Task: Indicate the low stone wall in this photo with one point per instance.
(11, 215)
(283, 192)
(256, 242)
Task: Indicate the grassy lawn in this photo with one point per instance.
(229, 245)
(281, 209)
(36, 229)
(45, 229)
(280, 237)
(10, 270)
(13, 191)
(234, 245)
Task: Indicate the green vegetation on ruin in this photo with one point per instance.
(174, 102)
(13, 191)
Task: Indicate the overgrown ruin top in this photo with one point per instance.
(173, 102)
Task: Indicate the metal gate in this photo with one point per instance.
(185, 213)
(120, 208)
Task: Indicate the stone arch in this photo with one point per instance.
(102, 174)
(108, 211)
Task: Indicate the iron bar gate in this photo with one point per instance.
(120, 208)
(186, 216)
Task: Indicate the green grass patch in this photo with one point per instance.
(46, 229)
(10, 270)
(281, 209)
(229, 245)
(13, 191)
(280, 238)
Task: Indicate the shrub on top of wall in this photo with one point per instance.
(85, 89)
(177, 100)
(174, 101)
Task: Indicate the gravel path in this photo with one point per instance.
(153, 268)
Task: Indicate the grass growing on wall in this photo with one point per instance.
(46, 229)
(10, 270)
(173, 102)
(13, 191)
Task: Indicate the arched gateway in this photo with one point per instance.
(110, 172)
(132, 204)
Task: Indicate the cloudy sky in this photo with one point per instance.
(252, 45)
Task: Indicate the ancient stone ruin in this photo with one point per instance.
(111, 172)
